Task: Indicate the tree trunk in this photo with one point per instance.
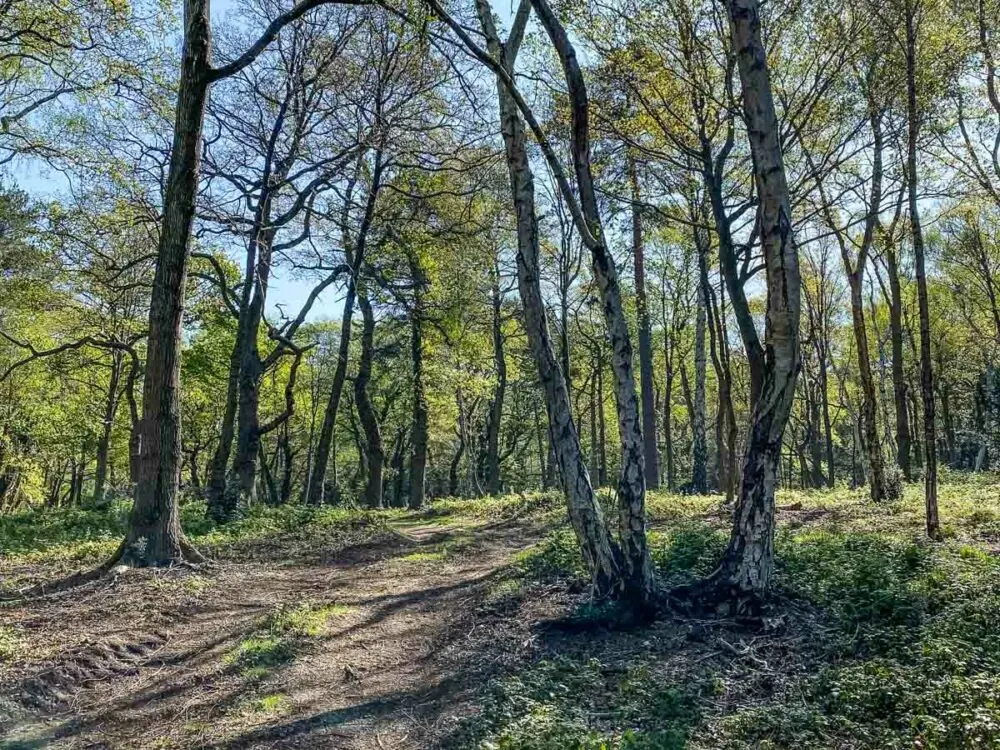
(949, 424)
(637, 571)
(926, 362)
(107, 427)
(398, 465)
(495, 413)
(418, 454)
(154, 535)
(668, 392)
(816, 479)
(899, 384)
(456, 460)
(194, 476)
(699, 443)
(366, 411)
(270, 488)
(744, 575)
(240, 486)
(646, 386)
(726, 428)
(602, 429)
(823, 384)
(599, 549)
(668, 429)
(869, 404)
(316, 486)
(285, 493)
(730, 273)
(855, 271)
(227, 430)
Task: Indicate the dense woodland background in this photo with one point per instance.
(420, 374)
(351, 329)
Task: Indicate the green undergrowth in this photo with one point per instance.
(902, 646)
(281, 636)
(573, 704)
(458, 511)
(90, 534)
(888, 640)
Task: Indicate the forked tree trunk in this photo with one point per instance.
(599, 550)
(855, 271)
(638, 576)
(744, 575)
(316, 486)
(240, 486)
(730, 272)
(726, 429)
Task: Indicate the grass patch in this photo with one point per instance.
(421, 557)
(273, 704)
(10, 643)
(89, 535)
(280, 637)
(556, 557)
(505, 593)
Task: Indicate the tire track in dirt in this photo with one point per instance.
(383, 674)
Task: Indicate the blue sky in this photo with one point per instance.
(44, 182)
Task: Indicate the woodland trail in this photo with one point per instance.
(378, 644)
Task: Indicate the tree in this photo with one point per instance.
(744, 575)
(154, 534)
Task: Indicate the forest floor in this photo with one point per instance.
(334, 628)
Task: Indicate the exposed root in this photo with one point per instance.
(718, 596)
(125, 555)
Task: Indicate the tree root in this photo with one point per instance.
(190, 558)
(718, 596)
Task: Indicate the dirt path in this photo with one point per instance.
(379, 644)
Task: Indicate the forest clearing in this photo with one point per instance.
(466, 625)
(493, 375)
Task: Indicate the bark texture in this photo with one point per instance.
(600, 552)
(366, 411)
(154, 536)
(744, 575)
(646, 387)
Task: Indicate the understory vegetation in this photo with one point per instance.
(875, 638)
(602, 375)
